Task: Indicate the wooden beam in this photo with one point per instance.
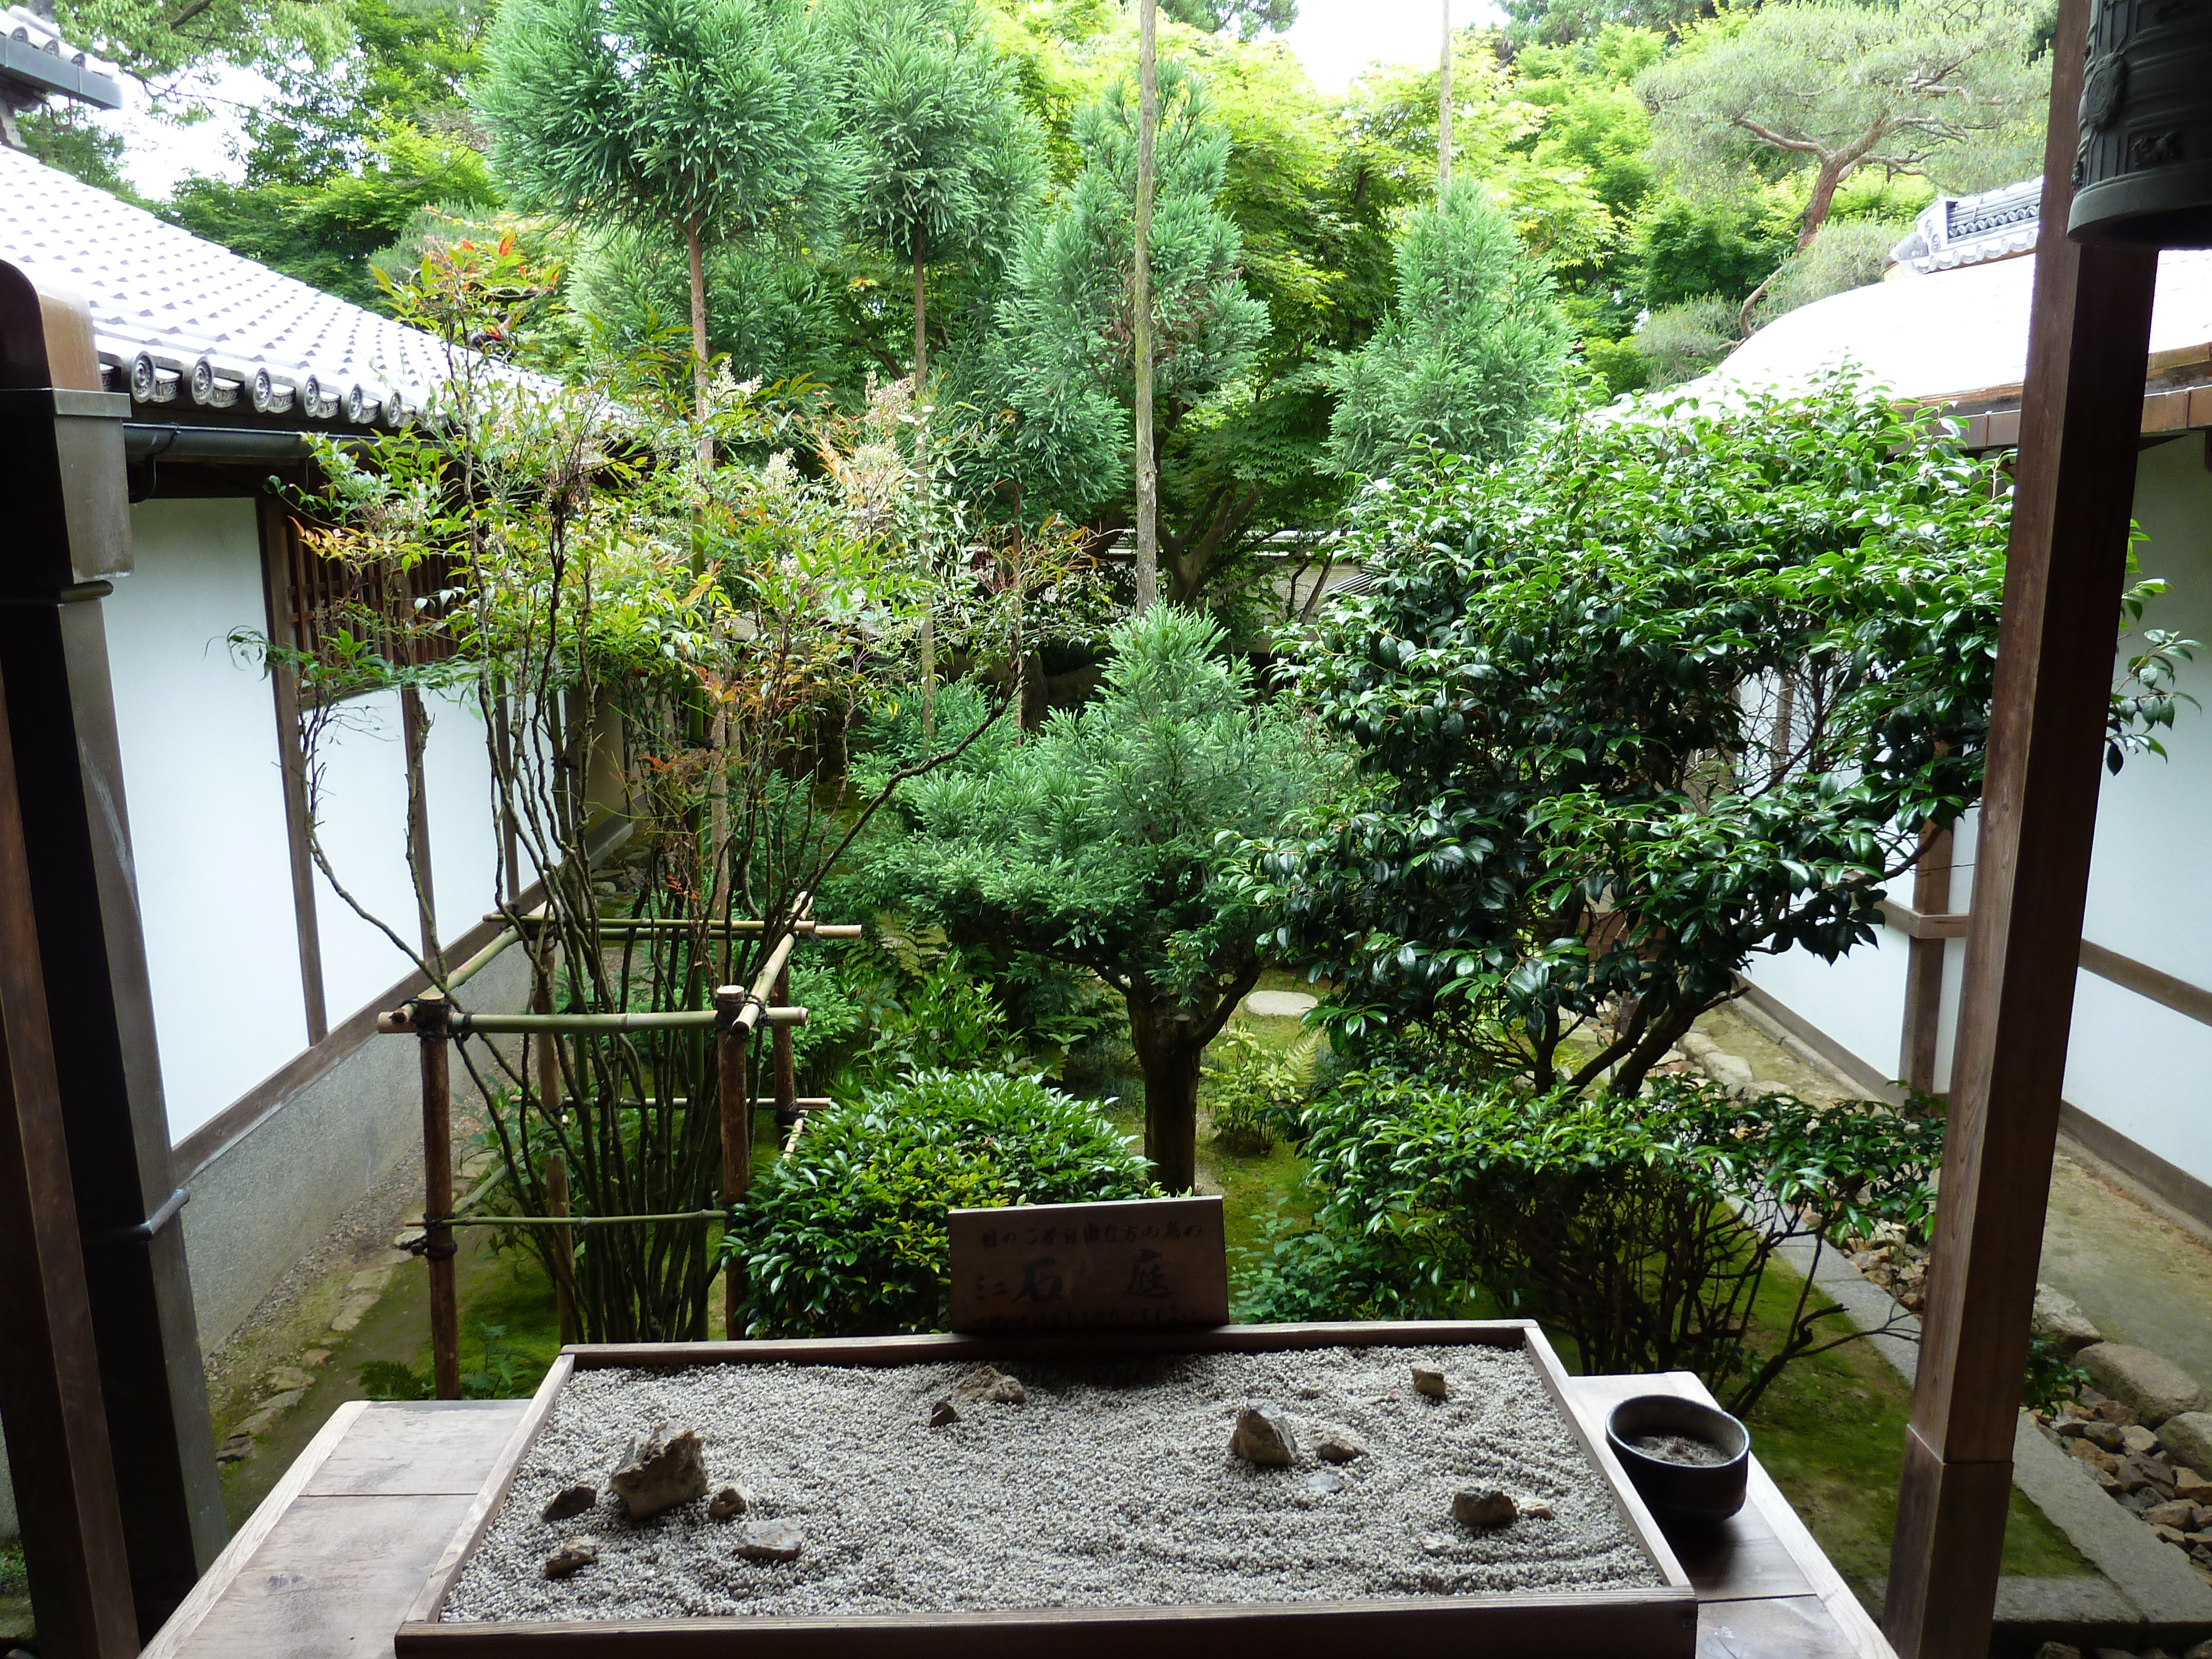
(2088, 342)
(59, 1449)
(62, 475)
(1923, 969)
(280, 554)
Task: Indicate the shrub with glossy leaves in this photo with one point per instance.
(1641, 1229)
(846, 1237)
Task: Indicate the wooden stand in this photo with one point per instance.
(438, 1246)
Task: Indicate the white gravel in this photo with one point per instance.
(1113, 1486)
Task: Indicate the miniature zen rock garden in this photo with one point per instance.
(1368, 1472)
(1178, 1478)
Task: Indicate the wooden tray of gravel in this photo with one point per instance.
(1103, 1512)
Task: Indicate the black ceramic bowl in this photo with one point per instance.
(1681, 1491)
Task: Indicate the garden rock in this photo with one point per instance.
(1335, 1446)
(769, 1541)
(1484, 1510)
(1263, 1436)
(1732, 1071)
(1536, 1512)
(2111, 1411)
(571, 1500)
(2106, 1437)
(2155, 1388)
(2059, 1320)
(1322, 1482)
(285, 1378)
(2057, 1650)
(667, 1470)
(986, 1385)
(2188, 1438)
(730, 1502)
(2187, 1483)
(574, 1556)
(943, 1414)
(2173, 1513)
(2137, 1438)
(1431, 1384)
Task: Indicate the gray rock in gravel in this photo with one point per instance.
(1263, 1436)
(1537, 1512)
(769, 1541)
(1322, 1482)
(1486, 1510)
(1431, 1384)
(1335, 1446)
(571, 1500)
(730, 1502)
(2155, 1388)
(943, 1414)
(2187, 1438)
(668, 1469)
(2057, 1650)
(986, 1385)
(574, 1556)
(2059, 1319)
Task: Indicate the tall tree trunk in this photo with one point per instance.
(1148, 473)
(699, 393)
(1170, 1045)
(1445, 108)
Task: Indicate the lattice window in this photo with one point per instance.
(327, 595)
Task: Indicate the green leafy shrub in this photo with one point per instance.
(1251, 1087)
(497, 1374)
(846, 1237)
(2051, 1376)
(1639, 1228)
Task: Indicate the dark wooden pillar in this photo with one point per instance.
(2076, 486)
(61, 473)
(1923, 968)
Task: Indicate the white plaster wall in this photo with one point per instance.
(463, 832)
(2144, 1070)
(205, 794)
(360, 810)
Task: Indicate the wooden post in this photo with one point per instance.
(62, 475)
(787, 1076)
(734, 1035)
(431, 1016)
(2087, 349)
(50, 1389)
(1923, 969)
(548, 1059)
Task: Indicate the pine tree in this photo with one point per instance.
(703, 118)
(1473, 347)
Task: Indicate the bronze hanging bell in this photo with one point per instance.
(2143, 177)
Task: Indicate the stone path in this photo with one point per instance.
(1280, 1005)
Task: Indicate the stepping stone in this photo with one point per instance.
(1281, 1004)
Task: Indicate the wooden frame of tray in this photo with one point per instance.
(1658, 1623)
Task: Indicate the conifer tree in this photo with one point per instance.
(1473, 347)
(706, 119)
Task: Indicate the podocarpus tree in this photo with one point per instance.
(1946, 89)
(700, 120)
(1473, 347)
(946, 157)
(1676, 688)
(1099, 843)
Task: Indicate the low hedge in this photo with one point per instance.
(846, 1237)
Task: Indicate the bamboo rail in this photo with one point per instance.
(737, 1013)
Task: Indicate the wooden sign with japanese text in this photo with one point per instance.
(1058, 1266)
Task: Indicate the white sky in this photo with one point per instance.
(1335, 40)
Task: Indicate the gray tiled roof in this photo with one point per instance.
(183, 322)
(34, 54)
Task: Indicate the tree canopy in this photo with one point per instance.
(1099, 842)
(1675, 688)
(1944, 88)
